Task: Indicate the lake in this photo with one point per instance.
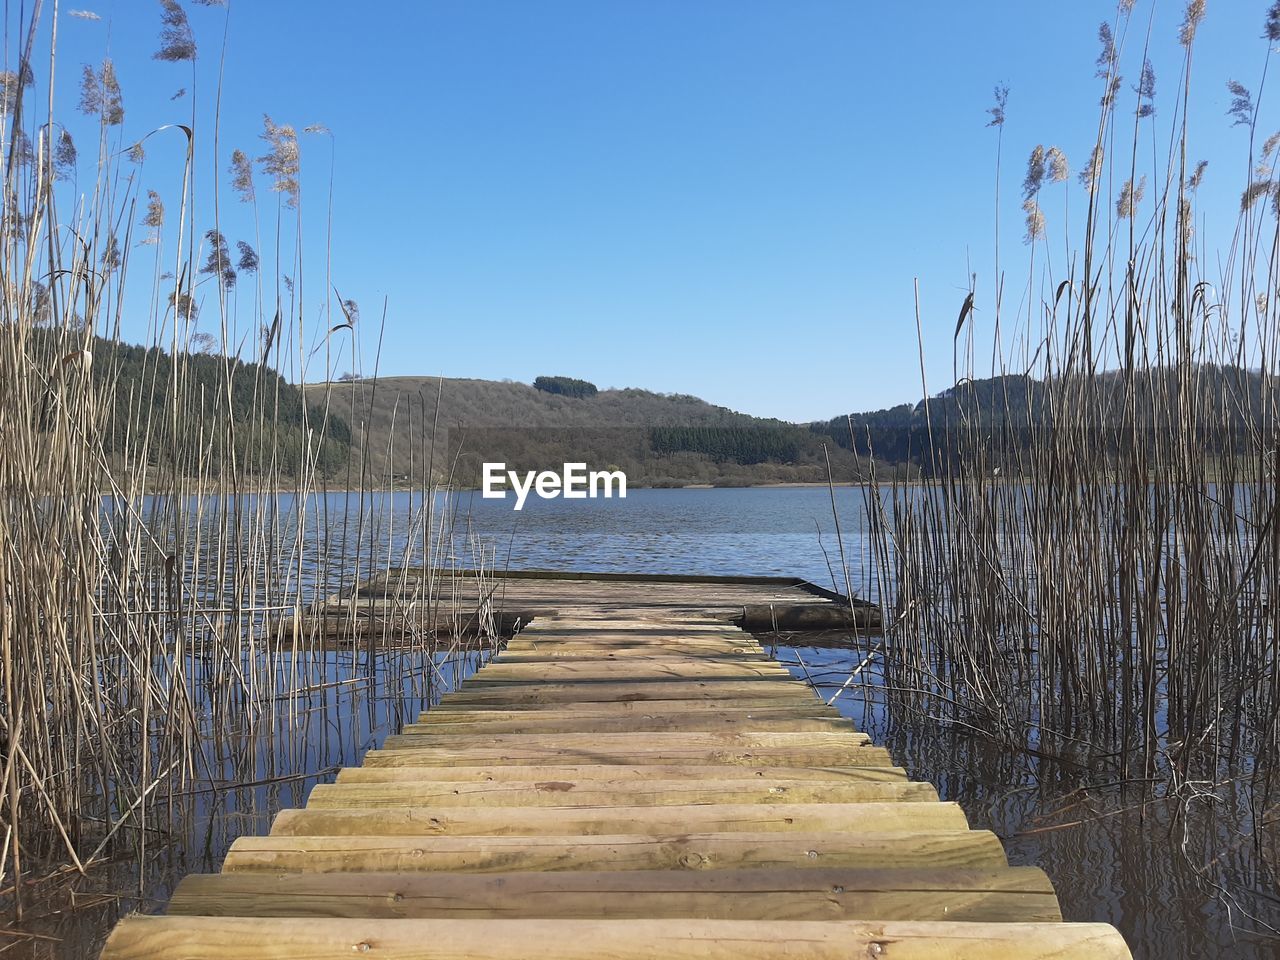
(758, 531)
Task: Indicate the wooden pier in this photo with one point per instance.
(631, 777)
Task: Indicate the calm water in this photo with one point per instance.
(773, 532)
(1180, 881)
(757, 531)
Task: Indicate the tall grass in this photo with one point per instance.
(166, 537)
(1089, 569)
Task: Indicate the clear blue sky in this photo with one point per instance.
(729, 198)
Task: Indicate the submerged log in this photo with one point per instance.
(772, 617)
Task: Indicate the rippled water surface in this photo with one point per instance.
(768, 531)
(1183, 880)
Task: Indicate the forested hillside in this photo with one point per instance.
(228, 412)
(658, 439)
(677, 439)
(401, 428)
(1229, 401)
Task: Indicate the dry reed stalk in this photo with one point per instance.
(1089, 567)
(151, 537)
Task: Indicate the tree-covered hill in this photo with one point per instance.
(1228, 400)
(676, 439)
(204, 415)
(658, 439)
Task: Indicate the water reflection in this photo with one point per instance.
(1181, 878)
(268, 763)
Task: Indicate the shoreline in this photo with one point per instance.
(249, 490)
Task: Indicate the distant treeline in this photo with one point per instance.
(999, 417)
(740, 453)
(566, 387)
(747, 445)
(229, 411)
(675, 439)
(643, 433)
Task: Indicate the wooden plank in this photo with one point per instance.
(804, 708)
(619, 623)
(934, 849)
(656, 643)
(634, 658)
(163, 938)
(654, 723)
(403, 766)
(603, 644)
(990, 896)
(234, 938)
(427, 735)
(637, 678)
(631, 583)
(637, 622)
(474, 692)
(632, 670)
(648, 622)
(659, 631)
(549, 653)
(650, 708)
(618, 820)
(598, 638)
(702, 756)
(598, 793)
(519, 675)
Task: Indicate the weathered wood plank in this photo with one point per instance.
(474, 692)
(427, 735)
(673, 709)
(935, 849)
(631, 670)
(992, 896)
(598, 793)
(403, 766)
(639, 635)
(617, 820)
(804, 708)
(638, 723)
(553, 653)
(168, 938)
(521, 676)
(730, 756)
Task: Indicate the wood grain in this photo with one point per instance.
(993, 896)
(170, 938)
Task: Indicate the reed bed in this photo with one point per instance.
(1087, 569)
(172, 519)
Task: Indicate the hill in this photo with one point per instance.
(198, 416)
(231, 412)
(658, 439)
(1010, 412)
(678, 439)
